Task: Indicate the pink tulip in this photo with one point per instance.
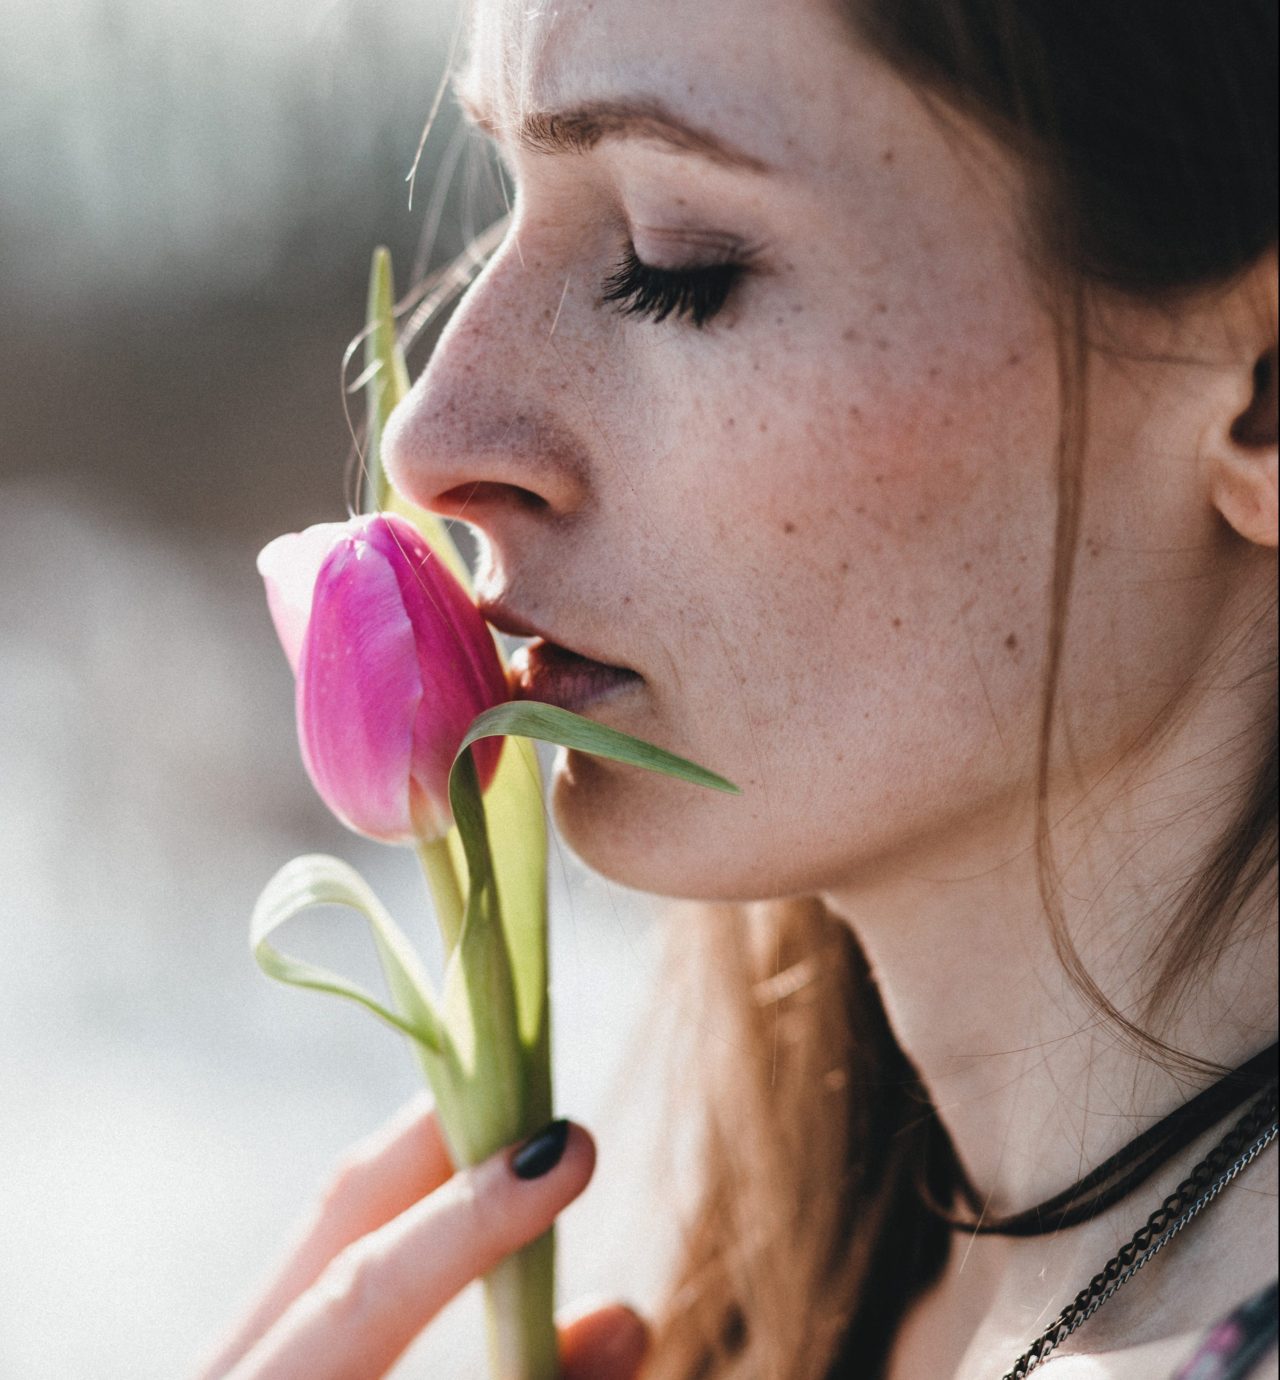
(392, 661)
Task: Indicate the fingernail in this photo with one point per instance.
(541, 1153)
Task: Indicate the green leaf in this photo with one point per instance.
(386, 381)
(518, 844)
(513, 801)
(479, 990)
(380, 379)
(515, 819)
(318, 880)
(550, 724)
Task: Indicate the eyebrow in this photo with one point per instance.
(580, 128)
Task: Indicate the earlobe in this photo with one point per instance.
(1243, 462)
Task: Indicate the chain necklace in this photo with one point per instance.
(1246, 1140)
(1130, 1167)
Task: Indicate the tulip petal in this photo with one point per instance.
(289, 566)
(458, 663)
(359, 689)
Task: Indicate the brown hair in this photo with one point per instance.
(1147, 132)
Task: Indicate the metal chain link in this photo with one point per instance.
(1192, 1195)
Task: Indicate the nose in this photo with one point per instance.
(489, 428)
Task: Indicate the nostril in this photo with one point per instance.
(485, 494)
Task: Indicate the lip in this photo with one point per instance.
(553, 672)
(507, 621)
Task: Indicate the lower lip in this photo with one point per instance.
(543, 671)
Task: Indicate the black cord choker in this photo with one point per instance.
(1130, 1166)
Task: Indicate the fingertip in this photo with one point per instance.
(562, 1148)
(582, 1145)
(602, 1341)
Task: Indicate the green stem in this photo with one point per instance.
(437, 866)
(519, 1299)
(496, 1093)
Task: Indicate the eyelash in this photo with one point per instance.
(639, 289)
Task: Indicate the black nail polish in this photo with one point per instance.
(541, 1153)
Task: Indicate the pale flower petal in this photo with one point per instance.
(289, 566)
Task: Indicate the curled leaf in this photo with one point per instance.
(318, 880)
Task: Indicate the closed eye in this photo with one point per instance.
(697, 294)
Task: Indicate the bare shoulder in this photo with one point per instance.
(1158, 1360)
(1151, 1361)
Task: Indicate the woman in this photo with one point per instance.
(876, 401)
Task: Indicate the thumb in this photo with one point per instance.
(603, 1342)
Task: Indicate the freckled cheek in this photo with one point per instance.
(871, 475)
(871, 519)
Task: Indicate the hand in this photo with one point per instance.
(396, 1235)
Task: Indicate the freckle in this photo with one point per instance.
(922, 517)
(934, 371)
(855, 410)
(879, 479)
(844, 567)
(887, 156)
(1011, 641)
(626, 598)
(764, 426)
(881, 308)
(1014, 357)
(796, 307)
(850, 334)
(881, 343)
(861, 510)
(788, 527)
(968, 565)
(897, 622)
(728, 421)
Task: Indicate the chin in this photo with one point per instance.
(662, 836)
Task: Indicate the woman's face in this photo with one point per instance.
(818, 526)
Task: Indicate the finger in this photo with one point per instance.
(603, 1342)
(381, 1176)
(380, 1292)
(397, 1165)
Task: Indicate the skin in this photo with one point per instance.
(394, 1236)
(821, 530)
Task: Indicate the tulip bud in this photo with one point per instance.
(393, 663)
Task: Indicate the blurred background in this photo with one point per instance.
(189, 196)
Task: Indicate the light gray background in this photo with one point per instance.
(188, 198)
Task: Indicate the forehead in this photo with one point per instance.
(761, 68)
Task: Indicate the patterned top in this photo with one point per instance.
(1238, 1343)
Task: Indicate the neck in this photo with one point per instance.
(1033, 1085)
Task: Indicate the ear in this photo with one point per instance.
(1242, 456)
